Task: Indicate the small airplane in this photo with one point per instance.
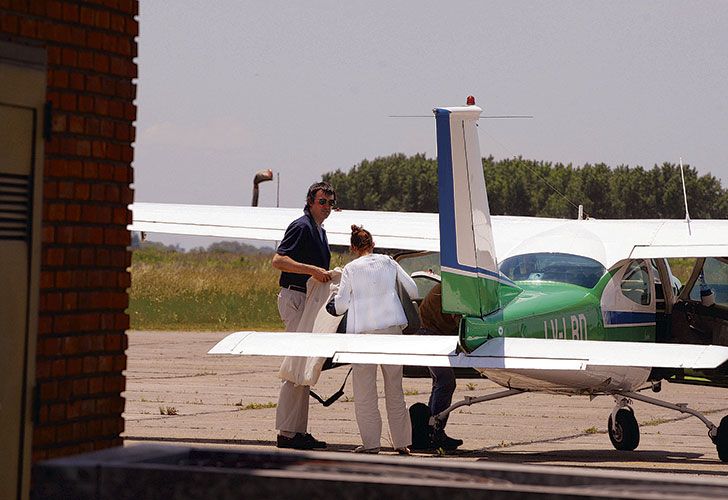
(574, 307)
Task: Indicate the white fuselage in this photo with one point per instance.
(593, 380)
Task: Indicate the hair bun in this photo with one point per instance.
(355, 228)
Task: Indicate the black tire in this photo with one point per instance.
(626, 435)
(721, 440)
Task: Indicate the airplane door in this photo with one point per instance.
(700, 316)
(628, 303)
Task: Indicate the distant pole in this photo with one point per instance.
(278, 188)
(685, 197)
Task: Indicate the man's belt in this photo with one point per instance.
(296, 288)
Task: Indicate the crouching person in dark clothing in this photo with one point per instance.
(435, 322)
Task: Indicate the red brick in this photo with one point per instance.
(107, 126)
(69, 57)
(102, 19)
(9, 24)
(96, 384)
(82, 191)
(53, 8)
(99, 149)
(65, 389)
(50, 190)
(43, 435)
(74, 366)
(47, 279)
(93, 83)
(75, 168)
(85, 104)
(83, 148)
(132, 27)
(53, 257)
(70, 302)
(87, 16)
(63, 279)
(48, 390)
(58, 78)
(70, 12)
(101, 106)
(73, 213)
(56, 412)
(72, 257)
(49, 234)
(53, 301)
(58, 367)
(42, 369)
(121, 216)
(65, 190)
(58, 123)
(87, 257)
(68, 102)
(27, 27)
(80, 387)
(76, 124)
(77, 79)
(98, 192)
(90, 169)
(56, 211)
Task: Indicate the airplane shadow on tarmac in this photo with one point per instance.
(673, 462)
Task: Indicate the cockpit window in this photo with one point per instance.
(560, 267)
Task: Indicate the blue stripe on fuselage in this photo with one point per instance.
(617, 318)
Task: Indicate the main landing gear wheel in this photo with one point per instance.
(625, 433)
(721, 440)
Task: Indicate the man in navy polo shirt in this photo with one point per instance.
(303, 252)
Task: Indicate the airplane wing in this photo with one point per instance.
(497, 353)
(607, 241)
(405, 231)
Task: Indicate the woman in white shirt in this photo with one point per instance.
(368, 290)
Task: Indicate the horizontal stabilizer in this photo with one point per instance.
(498, 353)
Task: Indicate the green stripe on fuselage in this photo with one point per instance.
(549, 310)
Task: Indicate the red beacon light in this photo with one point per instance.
(470, 101)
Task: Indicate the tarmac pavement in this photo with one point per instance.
(179, 394)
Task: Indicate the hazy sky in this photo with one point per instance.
(227, 88)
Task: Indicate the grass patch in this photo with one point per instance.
(167, 410)
(591, 430)
(259, 406)
(411, 392)
(655, 421)
(470, 386)
(204, 290)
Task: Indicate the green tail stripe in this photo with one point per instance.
(468, 295)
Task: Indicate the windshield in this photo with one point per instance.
(561, 267)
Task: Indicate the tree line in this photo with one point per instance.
(518, 186)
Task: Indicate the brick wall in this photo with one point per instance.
(80, 359)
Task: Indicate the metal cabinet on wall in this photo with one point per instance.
(22, 97)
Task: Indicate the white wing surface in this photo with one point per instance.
(498, 353)
(607, 241)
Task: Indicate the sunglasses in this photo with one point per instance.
(324, 201)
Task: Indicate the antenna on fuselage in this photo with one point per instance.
(685, 197)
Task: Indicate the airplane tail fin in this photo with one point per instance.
(470, 276)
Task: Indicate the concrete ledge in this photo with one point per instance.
(182, 473)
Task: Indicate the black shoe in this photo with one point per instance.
(300, 442)
(449, 443)
(442, 440)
